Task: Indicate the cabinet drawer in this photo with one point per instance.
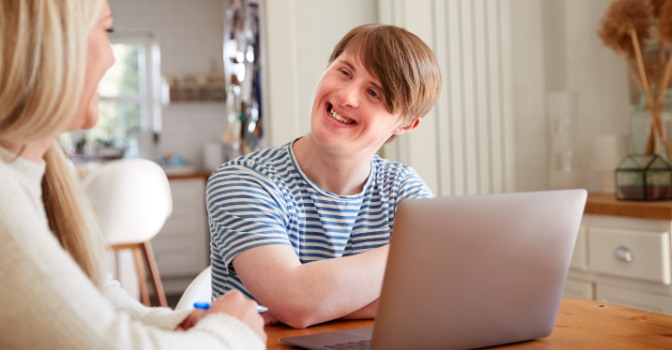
(180, 257)
(189, 190)
(185, 218)
(575, 288)
(630, 253)
(638, 299)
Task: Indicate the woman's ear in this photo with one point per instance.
(414, 123)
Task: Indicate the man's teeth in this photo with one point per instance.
(338, 117)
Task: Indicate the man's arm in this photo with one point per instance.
(367, 312)
(301, 295)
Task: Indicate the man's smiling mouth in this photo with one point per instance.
(336, 116)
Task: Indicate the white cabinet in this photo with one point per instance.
(578, 288)
(623, 261)
(635, 298)
(637, 254)
(181, 247)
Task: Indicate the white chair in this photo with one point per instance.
(132, 200)
(199, 290)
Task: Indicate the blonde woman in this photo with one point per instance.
(53, 54)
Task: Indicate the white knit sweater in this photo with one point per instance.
(47, 302)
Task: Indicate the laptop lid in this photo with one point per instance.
(476, 271)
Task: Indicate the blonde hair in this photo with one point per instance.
(405, 65)
(43, 46)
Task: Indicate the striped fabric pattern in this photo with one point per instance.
(265, 198)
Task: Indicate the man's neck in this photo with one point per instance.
(336, 173)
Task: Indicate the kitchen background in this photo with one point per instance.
(529, 93)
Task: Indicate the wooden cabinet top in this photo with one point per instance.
(184, 176)
(606, 204)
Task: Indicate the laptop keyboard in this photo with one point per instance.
(353, 345)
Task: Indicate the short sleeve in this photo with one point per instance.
(411, 186)
(245, 210)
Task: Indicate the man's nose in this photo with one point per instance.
(349, 95)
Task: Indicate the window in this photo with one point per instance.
(129, 93)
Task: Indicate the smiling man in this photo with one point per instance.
(304, 228)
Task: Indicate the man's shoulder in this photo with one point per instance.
(393, 171)
(270, 166)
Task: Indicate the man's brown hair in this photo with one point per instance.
(405, 65)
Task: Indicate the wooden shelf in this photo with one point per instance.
(606, 204)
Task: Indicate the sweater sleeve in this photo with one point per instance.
(160, 317)
(48, 302)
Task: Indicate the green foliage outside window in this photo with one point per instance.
(122, 99)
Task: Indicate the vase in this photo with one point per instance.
(640, 125)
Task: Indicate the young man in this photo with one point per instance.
(304, 228)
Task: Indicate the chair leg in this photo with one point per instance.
(144, 290)
(154, 272)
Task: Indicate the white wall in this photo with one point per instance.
(553, 47)
(190, 36)
(574, 59)
(300, 36)
(465, 144)
(529, 95)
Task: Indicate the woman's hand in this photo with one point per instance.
(190, 320)
(234, 304)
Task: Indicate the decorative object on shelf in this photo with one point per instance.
(242, 67)
(626, 28)
(606, 153)
(197, 88)
(640, 123)
(563, 170)
(643, 177)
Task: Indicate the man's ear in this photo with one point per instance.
(408, 127)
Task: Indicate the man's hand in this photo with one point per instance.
(269, 319)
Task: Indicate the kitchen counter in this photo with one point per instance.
(191, 175)
(606, 204)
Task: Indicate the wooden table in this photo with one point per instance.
(581, 324)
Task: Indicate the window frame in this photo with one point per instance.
(149, 67)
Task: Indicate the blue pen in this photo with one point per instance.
(205, 306)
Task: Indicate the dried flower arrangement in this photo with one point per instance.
(626, 27)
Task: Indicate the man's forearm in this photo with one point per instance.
(311, 293)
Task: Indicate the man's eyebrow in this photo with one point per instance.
(353, 69)
(349, 65)
(377, 86)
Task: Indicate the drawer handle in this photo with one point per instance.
(623, 254)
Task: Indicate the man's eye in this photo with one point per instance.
(373, 93)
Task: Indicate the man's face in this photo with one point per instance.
(349, 111)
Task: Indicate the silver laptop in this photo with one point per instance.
(470, 272)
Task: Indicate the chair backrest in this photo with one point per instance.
(131, 198)
(200, 290)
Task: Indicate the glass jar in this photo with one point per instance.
(640, 124)
(643, 177)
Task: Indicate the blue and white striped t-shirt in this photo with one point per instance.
(265, 198)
